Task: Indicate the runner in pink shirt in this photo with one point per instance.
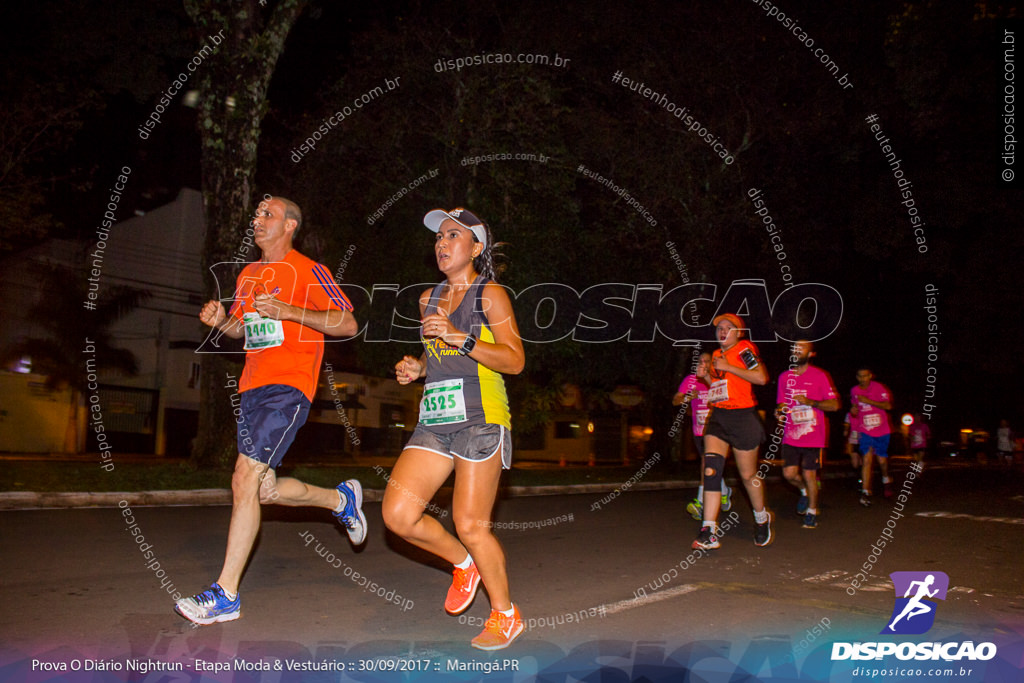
(694, 390)
(919, 433)
(805, 393)
(869, 401)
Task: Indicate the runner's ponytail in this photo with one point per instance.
(484, 263)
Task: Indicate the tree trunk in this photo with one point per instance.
(233, 86)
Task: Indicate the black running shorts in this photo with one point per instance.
(741, 428)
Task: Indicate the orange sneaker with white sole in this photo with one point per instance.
(500, 631)
(463, 589)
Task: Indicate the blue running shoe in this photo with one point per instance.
(810, 521)
(351, 516)
(802, 505)
(210, 607)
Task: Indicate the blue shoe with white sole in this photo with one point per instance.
(351, 515)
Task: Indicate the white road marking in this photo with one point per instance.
(827, 576)
(975, 518)
(623, 605)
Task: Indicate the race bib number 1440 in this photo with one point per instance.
(262, 333)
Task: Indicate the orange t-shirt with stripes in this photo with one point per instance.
(299, 281)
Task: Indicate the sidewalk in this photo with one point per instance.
(27, 500)
(30, 500)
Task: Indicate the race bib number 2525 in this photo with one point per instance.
(443, 403)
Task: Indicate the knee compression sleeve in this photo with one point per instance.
(714, 467)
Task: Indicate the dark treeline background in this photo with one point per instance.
(931, 71)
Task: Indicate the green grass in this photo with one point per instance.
(79, 476)
(41, 476)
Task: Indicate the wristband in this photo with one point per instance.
(468, 345)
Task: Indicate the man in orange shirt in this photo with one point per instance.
(284, 304)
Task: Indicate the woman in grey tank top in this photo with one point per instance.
(470, 340)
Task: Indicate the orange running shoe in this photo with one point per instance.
(500, 631)
(463, 589)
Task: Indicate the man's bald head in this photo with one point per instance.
(291, 211)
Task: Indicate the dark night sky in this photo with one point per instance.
(935, 83)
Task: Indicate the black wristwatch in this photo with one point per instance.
(468, 345)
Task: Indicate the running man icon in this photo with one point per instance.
(923, 585)
(915, 607)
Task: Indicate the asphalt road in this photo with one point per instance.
(611, 586)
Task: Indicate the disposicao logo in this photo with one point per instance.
(914, 612)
